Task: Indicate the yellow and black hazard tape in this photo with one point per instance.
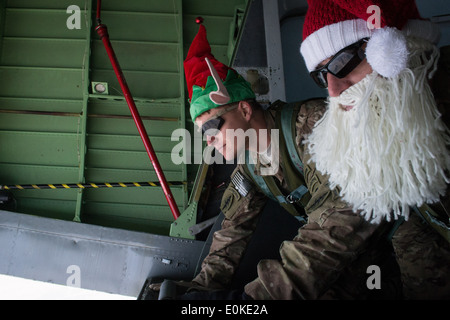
(89, 185)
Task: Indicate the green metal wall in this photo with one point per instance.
(53, 129)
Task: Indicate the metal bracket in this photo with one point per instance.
(180, 227)
(199, 227)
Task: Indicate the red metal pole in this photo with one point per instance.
(103, 33)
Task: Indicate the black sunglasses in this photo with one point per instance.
(216, 122)
(344, 62)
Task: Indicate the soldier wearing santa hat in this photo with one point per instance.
(382, 141)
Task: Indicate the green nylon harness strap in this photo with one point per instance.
(267, 184)
(288, 127)
(269, 187)
(258, 179)
(433, 219)
(292, 165)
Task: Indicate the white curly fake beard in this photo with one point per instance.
(387, 153)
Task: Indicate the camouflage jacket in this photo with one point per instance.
(333, 237)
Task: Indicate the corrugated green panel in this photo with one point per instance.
(58, 204)
(41, 71)
(47, 149)
(148, 56)
(158, 6)
(35, 52)
(103, 214)
(150, 196)
(137, 208)
(44, 4)
(128, 175)
(218, 16)
(142, 26)
(128, 143)
(53, 129)
(162, 110)
(35, 174)
(144, 214)
(39, 123)
(146, 39)
(40, 23)
(39, 105)
(221, 8)
(128, 127)
(49, 208)
(58, 194)
(127, 159)
(35, 82)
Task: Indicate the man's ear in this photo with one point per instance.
(246, 110)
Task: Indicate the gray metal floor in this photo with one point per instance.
(91, 257)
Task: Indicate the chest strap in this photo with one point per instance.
(270, 188)
(288, 127)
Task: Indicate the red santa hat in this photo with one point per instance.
(331, 25)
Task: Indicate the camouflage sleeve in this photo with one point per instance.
(333, 237)
(229, 243)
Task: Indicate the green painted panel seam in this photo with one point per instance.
(130, 170)
(39, 68)
(64, 11)
(40, 99)
(143, 72)
(207, 16)
(121, 13)
(38, 39)
(83, 124)
(113, 153)
(138, 100)
(62, 167)
(182, 93)
(35, 133)
(2, 24)
(165, 43)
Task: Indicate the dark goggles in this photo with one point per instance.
(217, 121)
(215, 124)
(344, 62)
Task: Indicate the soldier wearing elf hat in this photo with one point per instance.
(216, 92)
(222, 100)
(377, 156)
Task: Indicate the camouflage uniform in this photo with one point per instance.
(329, 257)
(424, 256)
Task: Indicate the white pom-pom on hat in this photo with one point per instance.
(387, 52)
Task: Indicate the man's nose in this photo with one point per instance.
(210, 139)
(336, 86)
